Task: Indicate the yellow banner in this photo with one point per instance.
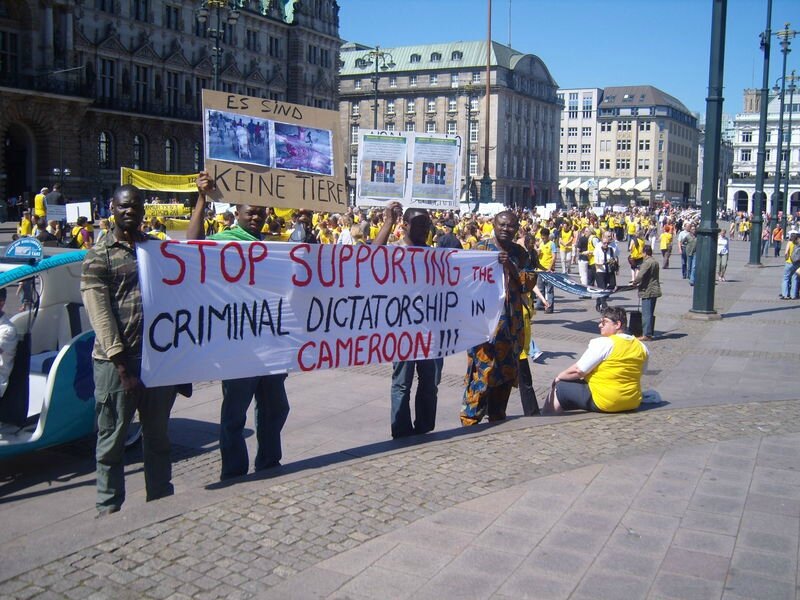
(166, 210)
(158, 182)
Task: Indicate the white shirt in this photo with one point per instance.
(8, 349)
(599, 350)
(722, 245)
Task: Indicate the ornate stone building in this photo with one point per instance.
(440, 88)
(89, 86)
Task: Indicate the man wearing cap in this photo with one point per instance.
(448, 238)
(39, 208)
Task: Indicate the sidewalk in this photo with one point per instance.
(697, 498)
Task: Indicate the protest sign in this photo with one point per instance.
(160, 182)
(229, 309)
(415, 169)
(78, 209)
(272, 153)
(166, 210)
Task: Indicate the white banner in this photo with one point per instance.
(225, 310)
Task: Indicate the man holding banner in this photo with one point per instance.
(112, 296)
(272, 404)
(493, 367)
(417, 223)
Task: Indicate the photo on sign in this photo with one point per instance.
(434, 173)
(383, 171)
(236, 138)
(304, 149)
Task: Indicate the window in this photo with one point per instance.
(141, 85)
(473, 131)
(747, 136)
(105, 79)
(572, 131)
(197, 158)
(430, 105)
(8, 53)
(587, 108)
(571, 165)
(476, 77)
(412, 80)
(644, 145)
(170, 155)
(312, 54)
(769, 135)
(410, 107)
(586, 148)
(389, 126)
(357, 84)
(141, 10)
(390, 107)
(473, 164)
(451, 128)
(572, 148)
(623, 164)
(324, 57)
(452, 105)
(139, 152)
(605, 164)
(605, 126)
(644, 164)
(355, 110)
(745, 155)
(644, 125)
(623, 144)
(586, 131)
(436, 57)
(434, 79)
(660, 165)
(274, 47)
(660, 145)
(410, 126)
(172, 17)
(173, 89)
(430, 126)
(392, 80)
(353, 134)
(454, 80)
(353, 164)
(104, 150)
(474, 104)
(104, 5)
(415, 58)
(624, 126)
(456, 55)
(586, 165)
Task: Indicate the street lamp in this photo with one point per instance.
(61, 173)
(469, 90)
(785, 36)
(216, 8)
(382, 60)
(792, 86)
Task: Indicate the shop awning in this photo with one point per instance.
(602, 184)
(614, 185)
(563, 183)
(644, 185)
(573, 185)
(628, 185)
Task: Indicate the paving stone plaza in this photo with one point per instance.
(698, 497)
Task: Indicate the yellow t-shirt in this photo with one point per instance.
(39, 208)
(546, 255)
(789, 250)
(565, 240)
(616, 383)
(637, 248)
(665, 240)
(25, 227)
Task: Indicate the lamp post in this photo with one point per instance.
(785, 36)
(468, 90)
(792, 86)
(486, 180)
(382, 61)
(231, 16)
(759, 197)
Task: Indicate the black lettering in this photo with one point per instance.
(152, 333)
(182, 320)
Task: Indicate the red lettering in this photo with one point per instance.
(401, 354)
(345, 254)
(325, 356)
(253, 259)
(380, 250)
(222, 266)
(200, 245)
(453, 272)
(397, 263)
(374, 349)
(359, 348)
(181, 264)
(362, 256)
(303, 366)
(413, 251)
(420, 344)
(293, 255)
(320, 250)
(390, 337)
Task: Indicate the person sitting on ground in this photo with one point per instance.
(608, 377)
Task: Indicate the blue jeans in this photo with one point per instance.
(790, 281)
(684, 270)
(430, 373)
(690, 266)
(272, 408)
(548, 291)
(648, 316)
(764, 247)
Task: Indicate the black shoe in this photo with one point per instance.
(105, 511)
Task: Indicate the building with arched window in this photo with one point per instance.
(89, 87)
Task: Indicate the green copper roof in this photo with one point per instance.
(472, 55)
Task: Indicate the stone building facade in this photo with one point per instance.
(91, 86)
(441, 88)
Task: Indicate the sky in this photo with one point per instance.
(596, 43)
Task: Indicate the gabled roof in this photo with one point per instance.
(639, 95)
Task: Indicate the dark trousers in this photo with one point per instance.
(527, 394)
(430, 373)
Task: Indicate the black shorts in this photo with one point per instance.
(575, 395)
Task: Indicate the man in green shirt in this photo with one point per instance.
(272, 405)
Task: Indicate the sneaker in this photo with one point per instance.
(536, 355)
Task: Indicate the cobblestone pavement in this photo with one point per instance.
(241, 547)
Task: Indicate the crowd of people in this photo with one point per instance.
(590, 246)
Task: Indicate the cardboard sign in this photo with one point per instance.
(272, 153)
(77, 209)
(229, 309)
(166, 210)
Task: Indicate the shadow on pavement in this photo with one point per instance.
(747, 313)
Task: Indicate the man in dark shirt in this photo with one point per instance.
(113, 301)
(55, 198)
(448, 239)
